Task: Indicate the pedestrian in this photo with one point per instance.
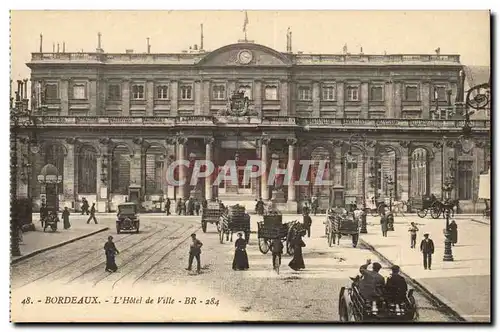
(204, 203)
(383, 224)
(92, 214)
(195, 252)
(297, 263)
(276, 250)
(44, 213)
(413, 235)
(197, 207)
(111, 252)
(427, 249)
(396, 286)
(453, 229)
(314, 205)
(240, 260)
(187, 207)
(167, 206)
(65, 216)
(307, 221)
(85, 206)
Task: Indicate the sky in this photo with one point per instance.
(466, 33)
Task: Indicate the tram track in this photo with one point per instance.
(133, 255)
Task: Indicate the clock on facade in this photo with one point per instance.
(244, 57)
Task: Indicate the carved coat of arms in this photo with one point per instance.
(238, 103)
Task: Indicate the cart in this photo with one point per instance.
(232, 220)
(211, 214)
(272, 227)
(338, 223)
(427, 203)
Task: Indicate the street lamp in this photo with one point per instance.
(448, 206)
(390, 186)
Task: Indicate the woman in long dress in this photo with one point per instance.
(65, 216)
(111, 252)
(453, 229)
(240, 261)
(297, 263)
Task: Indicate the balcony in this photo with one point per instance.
(278, 121)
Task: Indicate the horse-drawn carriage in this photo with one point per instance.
(429, 203)
(234, 219)
(354, 308)
(273, 228)
(211, 214)
(339, 222)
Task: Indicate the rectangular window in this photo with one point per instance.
(79, 91)
(137, 91)
(377, 93)
(304, 93)
(186, 92)
(162, 92)
(411, 93)
(114, 92)
(465, 183)
(271, 92)
(328, 93)
(352, 93)
(219, 92)
(439, 93)
(51, 91)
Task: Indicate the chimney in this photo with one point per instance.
(99, 46)
(201, 37)
(64, 47)
(57, 47)
(290, 42)
(195, 47)
(149, 46)
(41, 43)
(53, 48)
(25, 96)
(129, 51)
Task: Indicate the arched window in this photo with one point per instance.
(155, 177)
(120, 177)
(419, 173)
(54, 154)
(87, 170)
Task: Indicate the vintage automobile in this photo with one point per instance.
(127, 218)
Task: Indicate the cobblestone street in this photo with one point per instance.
(153, 262)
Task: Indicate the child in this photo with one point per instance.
(413, 232)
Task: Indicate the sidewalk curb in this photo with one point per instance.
(39, 251)
(417, 285)
(481, 222)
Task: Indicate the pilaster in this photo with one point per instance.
(126, 98)
(174, 103)
(316, 99)
(150, 95)
(64, 97)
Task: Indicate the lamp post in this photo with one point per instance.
(390, 186)
(447, 205)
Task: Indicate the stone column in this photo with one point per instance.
(258, 96)
(403, 171)
(398, 100)
(92, 95)
(205, 102)
(102, 197)
(256, 181)
(64, 97)
(150, 97)
(337, 162)
(135, 163)
(292, 197)
(181, 148)
(69, 175)
(364, 99)
(208, 157)
(389, 98)
(316, 100)
(263, 184)
(197, 97)
(126, 98)
(174, 102)
(437, 168)
(340, 99)
(425, 97)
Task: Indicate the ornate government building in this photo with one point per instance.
(110, 122)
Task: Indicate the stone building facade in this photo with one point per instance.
(110, 121)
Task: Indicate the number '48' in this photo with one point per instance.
(27, 301)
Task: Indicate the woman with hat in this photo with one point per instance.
(111, 252)
(240, 261)
(297, 263)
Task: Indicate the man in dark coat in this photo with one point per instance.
(85, 206)
(276, 250)
(396, 286)
(384, 224)
(44, 213)
(65, 216)
(372, 283)
(194, 252)
(197, 207)
(307, 221)
(427, 249)
(92, 214)
(167, 206)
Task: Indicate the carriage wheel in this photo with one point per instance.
(422, 213)
(217, 224)
(413, 312)
(355, 238)
(345, 311)
(435, 211)
(204, 226)
(263, 245)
